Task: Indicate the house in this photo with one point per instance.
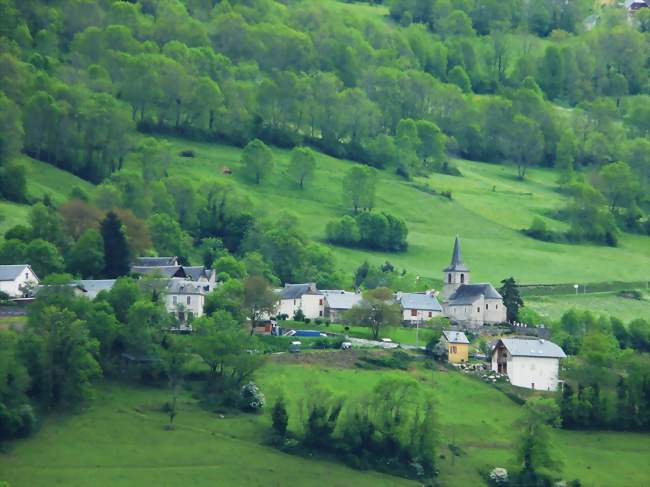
(457, 346)
(17, 281)
(168, 272)
(305, 297)
(532, 363)
(156, 261)
(338, 302)
(418, 307)
(184, 299)
(200, 274)
(470, 305)
(94, 286)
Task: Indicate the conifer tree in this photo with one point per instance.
(116, 249)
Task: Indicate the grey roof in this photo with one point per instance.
(342, 299)
(532, 347)
(294, 291)
(468, 293)
(195, 272)
(94, 286)
(156, 261)
(422, 301)
(455, 336)
(11, 272)
(457, 264)
(164, 271)
(178, 286)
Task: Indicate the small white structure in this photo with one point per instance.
(532, 363)
(338, 302)
(304, 297)
(184, 299)
(17, 280)
(471, 305)
(418, 307)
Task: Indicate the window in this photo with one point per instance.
(449, 278)
(189, 300)
(26, 276)
(486, 306)
(175, 299)
(430, 314)
(453, 348)
(462, 278)
(414, 312)
(320, 302)
(320, 313)
(478, 310)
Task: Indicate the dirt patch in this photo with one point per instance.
(343, 359)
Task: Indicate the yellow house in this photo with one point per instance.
(457, 346)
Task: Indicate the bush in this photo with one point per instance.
(280, 417)
(377, 231)
(299, 315)
(252, 398)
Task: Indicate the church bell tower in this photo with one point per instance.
(455, 274)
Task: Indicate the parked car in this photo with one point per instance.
(346, 346)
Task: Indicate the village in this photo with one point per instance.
(526, 359)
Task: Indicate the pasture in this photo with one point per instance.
(121, 439)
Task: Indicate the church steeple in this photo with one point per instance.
(456, 273)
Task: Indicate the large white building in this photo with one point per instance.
(338, 302)
(17, 280)
(471, 305)
(184, 299)
(532, 363)
(306, 297)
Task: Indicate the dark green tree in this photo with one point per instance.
(511, 298)
(117, 261)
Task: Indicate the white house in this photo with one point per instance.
(532, 363)
(306, 297)
(468, 304)
(338, 302)
(418, 307)
(184, 299)
(17, 280)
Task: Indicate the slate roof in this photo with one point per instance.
(456, 264)
(156, 261)
(468, 293)
(94, 286)
(11, 272)
(342, 299)
(532, 347)
(294, 291)
(164, 271)
(418, 301)
(455, 336)
(177, 286)
(195, 272)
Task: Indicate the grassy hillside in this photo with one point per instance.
(42, 179)
(129, 446)
(610, 303)
(488, 209)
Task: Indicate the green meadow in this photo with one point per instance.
(626, 309)
(121, 439)
(488, 210)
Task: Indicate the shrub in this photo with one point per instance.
(280, 417)
(299, 315)
(251, 397)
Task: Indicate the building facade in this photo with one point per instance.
(305, 297)
(17, 280)
(457, 346)
(532, 363)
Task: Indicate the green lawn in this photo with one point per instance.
(121, 440)
(42, 179)
(612, 304)
(489, 208)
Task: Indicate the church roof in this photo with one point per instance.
(468, 293)
(457, 264)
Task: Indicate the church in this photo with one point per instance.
(470, 305)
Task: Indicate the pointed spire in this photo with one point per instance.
(457, 264)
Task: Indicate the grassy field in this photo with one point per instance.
(42, 179)
(488, 209)
(121, 440)
(612, 304)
